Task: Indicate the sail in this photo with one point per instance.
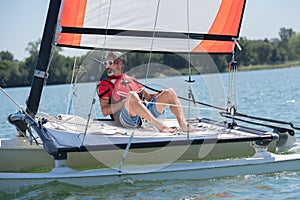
(197, 26)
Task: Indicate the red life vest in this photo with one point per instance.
(117, 87)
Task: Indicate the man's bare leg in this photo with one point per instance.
(168, 96)
(135, 107)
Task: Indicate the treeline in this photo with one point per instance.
(15, 73)
(274, 51)
(286, 48)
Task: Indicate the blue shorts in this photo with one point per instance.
(127, 121)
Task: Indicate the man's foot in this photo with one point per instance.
(166, 129)
(186, 128)
(163, 128)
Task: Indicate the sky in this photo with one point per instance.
(22, 21)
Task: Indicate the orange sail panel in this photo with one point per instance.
(197, 26)
(73, 15)
(227, 22)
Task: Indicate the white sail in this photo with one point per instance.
(161, 26)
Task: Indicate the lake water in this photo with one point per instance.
(272, 94)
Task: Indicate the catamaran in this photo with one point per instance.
(219, 147)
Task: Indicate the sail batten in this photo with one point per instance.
(197, 36)
(129, 25)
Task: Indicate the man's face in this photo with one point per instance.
(113, 67)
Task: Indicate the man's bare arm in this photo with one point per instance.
(108, 109)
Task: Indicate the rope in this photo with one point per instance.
(23, 111)
(19, 106)
(227, 115)
(169, 104)
(183, 98)
(229, 86)
(268, 120)
(222, 109)
(235, 70)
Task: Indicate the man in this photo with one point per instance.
(123, 98)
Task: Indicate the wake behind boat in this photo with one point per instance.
(218, 145)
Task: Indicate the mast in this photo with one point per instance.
(40, 73)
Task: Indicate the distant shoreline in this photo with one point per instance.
(275, 66)
(245, 68)
(168, 73)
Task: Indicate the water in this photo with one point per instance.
(269, 93)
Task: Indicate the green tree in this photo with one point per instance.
(29, 64)
(10, 75)
(285, 35)
(294, 47)
(60, 70)
(247, 56)
(6, 55)
(263, 50)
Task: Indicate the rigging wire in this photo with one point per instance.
(235, 73)
(152, 41)
(190, 94)
(229, 100)
(146, 79)
(102, 57)
(50, 60)
(124, 155)
(73, 87)
(232, 85)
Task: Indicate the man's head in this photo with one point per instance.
(115, 55)
(114, 61)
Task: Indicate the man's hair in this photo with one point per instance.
(116, 55)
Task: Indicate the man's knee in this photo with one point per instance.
(170, 92)
(133, 97)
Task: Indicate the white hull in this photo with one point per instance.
(35, 158)
(148, 153)
(18, 155)
(262, 163)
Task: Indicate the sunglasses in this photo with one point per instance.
(109, 62)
